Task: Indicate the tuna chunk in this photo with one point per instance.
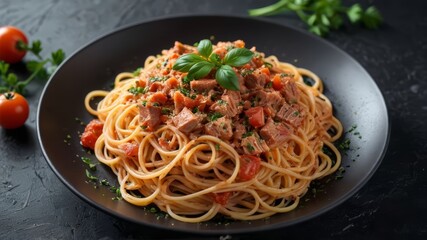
(186, 121)
(253, 145)
(291, 114)
(149, 116)
(228, 105)
(275, 134)
(239, 131)
(272, 100)
(290, 91)
(220, 128)
(203, 85)
(256, 80)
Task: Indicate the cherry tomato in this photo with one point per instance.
(14, 110)
(249, 167)
(9, 38)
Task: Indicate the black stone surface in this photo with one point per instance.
(34, 204)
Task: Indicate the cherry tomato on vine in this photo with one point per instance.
(9, 38)
(14, 110)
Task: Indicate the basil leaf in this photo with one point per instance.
(186, 61)
(200, 70)
(238, 57)
(227, 78)
(205, 48)
(215, 59)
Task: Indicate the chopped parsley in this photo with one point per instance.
(246, 72)
(345, 145)
(268, 65)
(247, 134)
(91, 165)
(214, 116)
(166, 111)
(158, 79)
(138, 90)
(250, 147)
(137, 72)
(90, 176)
(222, 102)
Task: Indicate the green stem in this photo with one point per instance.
(34, 74)
(269, 10)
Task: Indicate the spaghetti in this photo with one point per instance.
(197, 150)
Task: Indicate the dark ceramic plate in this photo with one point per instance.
(356, 98)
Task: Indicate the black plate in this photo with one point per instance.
(356, 98)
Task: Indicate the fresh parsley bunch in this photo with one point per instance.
(323, 15)
(201, 64)
(40, 68)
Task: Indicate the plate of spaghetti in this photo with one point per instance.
(244, 126)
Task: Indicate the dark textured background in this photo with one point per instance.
(34, 204)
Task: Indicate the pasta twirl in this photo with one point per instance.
(197, 150)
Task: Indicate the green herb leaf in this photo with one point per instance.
(198, 66)
(4, 68)
(38, 69)
(205, 48)
(372, 18)
(200, 70)
(57, 57)
(137, 72)
(354, 13)
(90, 176)
(227, 78)
(215, 59)
(238, 57)
(322, 15)
(36, 48)
(137, 90)
(214, 116)
(186, 61)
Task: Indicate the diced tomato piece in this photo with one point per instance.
(131, 149)
(266, 71)
(178, 99)
(191, 103)
(249, 167)
(92, 132)
(239, 44)
(155, 86)
(256, 116)
(172, 82)
(174, 56)
(277, 82)
(140, 83)
(158, 97)
(222, 197)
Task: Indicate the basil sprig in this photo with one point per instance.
(201, 64)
